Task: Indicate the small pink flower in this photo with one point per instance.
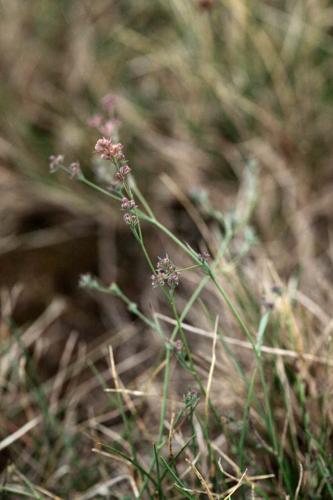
(173, 280)
(130, 219)
(95, 121)
(165, 273)
(74, 169)
(122, 173)
(108, 102)
(127, 204)
(108, 150)
(164, 264)
(158, 280)
(107, 128)
(55, 162)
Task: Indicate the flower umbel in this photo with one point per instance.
(74, 169)
(87, 281)
(165, 273)
(55, 162)
(127, 204)
(173, 280)
(157, 280)
(108, 128)
(130, 219)
(165, 265)
(122, 173)
(109, 150)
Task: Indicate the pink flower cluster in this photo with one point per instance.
(55, 162)
(107, 127)
(122, 173)
(165, 273)
(127, 204)
(106, 122)
(109, 150)
(130, 219)
(74, 169)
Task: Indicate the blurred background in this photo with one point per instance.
(201, 88)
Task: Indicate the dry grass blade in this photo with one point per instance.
(275, 351)
(201, 479)
(300, 480)
(63, 367)
(19, 433)
(33, 333)
(228, 460)
(119, 388)
(232, 490)
(131, 392)
(111, 456)
(104, 488)
(34, 487)
(249, 479)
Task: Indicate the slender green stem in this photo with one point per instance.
(165, 393)
(159, 482)
(233, 309)
(150, 218)
(246, 413)
(189, 268)
(132, 306)
(142, 200)
(99, 189)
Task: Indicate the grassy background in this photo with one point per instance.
(202, 88)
